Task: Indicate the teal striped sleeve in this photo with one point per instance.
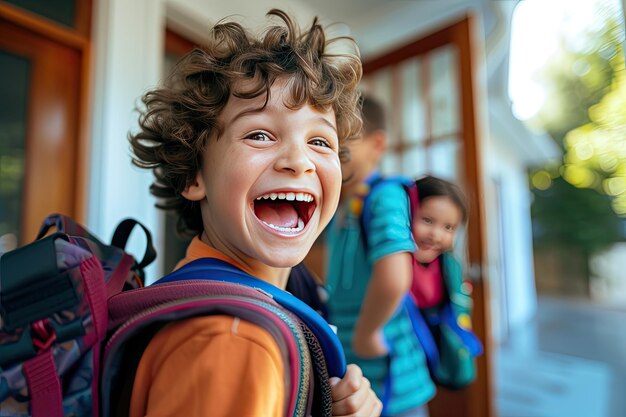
(389, 228)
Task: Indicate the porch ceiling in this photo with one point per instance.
(378, 25)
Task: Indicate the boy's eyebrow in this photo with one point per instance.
(246, 112)
(328, 123)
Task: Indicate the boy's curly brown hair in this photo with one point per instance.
(181, 116)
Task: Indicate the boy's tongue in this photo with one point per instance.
(278, 214)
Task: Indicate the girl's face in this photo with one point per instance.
(435, 223)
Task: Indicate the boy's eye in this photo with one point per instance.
(260, 136)
(320, 142)
(427, 220)
(449, 228)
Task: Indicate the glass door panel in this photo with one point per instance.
(444, 90)
(413, 102)
(445, 160)
(14, 88)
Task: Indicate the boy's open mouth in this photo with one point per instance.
(285, 211)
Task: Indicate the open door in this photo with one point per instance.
(427, 88)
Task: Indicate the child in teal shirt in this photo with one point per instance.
(368, 277)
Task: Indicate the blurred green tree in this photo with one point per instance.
(578, 203)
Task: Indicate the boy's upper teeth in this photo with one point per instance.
(289, 196)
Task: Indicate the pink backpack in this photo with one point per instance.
(74, 320)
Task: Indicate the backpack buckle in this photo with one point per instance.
(43, 335)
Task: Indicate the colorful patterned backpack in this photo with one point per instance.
(74, 320)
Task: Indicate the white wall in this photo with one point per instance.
(128, 40)
(608, 285)
(510, 248)
(193, 18)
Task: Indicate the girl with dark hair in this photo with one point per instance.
(441, 210)
(438, 289)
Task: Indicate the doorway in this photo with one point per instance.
(427, 88)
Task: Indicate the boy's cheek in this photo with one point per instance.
(331, 185)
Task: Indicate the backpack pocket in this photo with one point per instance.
(456, 347)
(53, 309)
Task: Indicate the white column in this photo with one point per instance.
(128, 52)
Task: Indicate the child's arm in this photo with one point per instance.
(353, 396)
(389, 247)
(391, 279)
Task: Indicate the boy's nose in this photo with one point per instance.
(294, 159)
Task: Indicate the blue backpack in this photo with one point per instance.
(450, 349)
(75, 318)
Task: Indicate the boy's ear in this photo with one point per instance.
(379, 141)
(195, 190)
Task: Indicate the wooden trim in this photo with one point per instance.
(82, 19)
(177, 44)
(83, 145)
(463, 37)
(413, 49)
(405, 145)
(42, 26)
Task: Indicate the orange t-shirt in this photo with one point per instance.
(209, 366)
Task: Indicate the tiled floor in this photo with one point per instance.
(571, 362)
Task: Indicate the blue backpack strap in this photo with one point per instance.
(218, 270)
(423, 332)
(469, 339)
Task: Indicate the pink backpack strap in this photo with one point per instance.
(44, 386)
(413, 198)
(136, 310)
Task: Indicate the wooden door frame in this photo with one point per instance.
(79, 39)
(478, 397)
(177, 44)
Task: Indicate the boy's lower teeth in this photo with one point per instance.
(288, 229)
